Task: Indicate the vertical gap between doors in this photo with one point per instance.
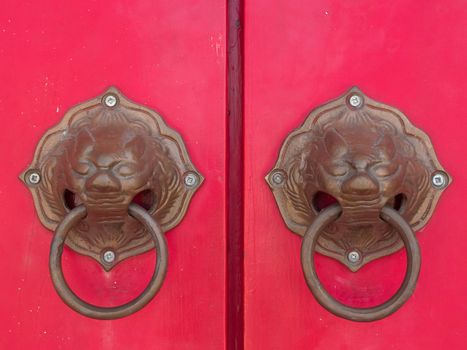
(234, 322)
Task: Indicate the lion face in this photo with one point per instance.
(362, 171)
(106, 169)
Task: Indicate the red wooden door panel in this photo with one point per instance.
(169, 56)
(298, 55)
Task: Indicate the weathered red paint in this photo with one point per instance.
(299, 54)
(168, 55)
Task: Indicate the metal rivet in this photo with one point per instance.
(353, 256)
(191, 179)
(355, 101)
(439, 180)
(277, 177)
(110, 100)
(108, 256)
(34, 177)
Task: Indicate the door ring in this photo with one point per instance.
(107, 313)
(392, 217)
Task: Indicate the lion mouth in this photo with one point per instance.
(361, 200)
(106, 200)
(108, 197)
(106, 215)
(107, 207)
(361, 211)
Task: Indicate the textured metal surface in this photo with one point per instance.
(364, 155)
(105, 154)
(392, 217)
(98, 312)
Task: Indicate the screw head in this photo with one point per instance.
(277, 177)
(439, 180)
(108, 256)
(110, 100)
(191, 180)
(353, 256)
(355, 101)
(34, 177)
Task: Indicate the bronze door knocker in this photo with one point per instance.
(384, 177)
(110, 179)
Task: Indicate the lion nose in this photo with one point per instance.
(103, 181)
(360, 184)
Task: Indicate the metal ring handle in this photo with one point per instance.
(310, 239)
(107, 313)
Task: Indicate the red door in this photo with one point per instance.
(234, 278)
(298, 56)
(166, 56)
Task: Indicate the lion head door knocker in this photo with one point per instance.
(109, 179)
(383, 175)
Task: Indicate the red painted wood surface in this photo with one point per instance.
(299, 54)
(168, 55)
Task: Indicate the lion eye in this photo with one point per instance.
(385, 170)
(126, 170)
(82, 168)
(339, 169)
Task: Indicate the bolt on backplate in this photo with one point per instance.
(108, 256)
(353, 256)
(34, 178)
(440, 180)
(355, 101)
(191, 180)
(110, 100)
(277, 177)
